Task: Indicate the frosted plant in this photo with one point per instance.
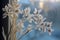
(38, 19)
(13, 10)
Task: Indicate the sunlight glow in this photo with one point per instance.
(18, 0)
(41, 4)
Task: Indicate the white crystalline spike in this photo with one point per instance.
(45, 30)
(43, 27)
(6, 8)
(49, 24)
(35, 11)
(44, 19)
(4, 16)
(9, 5)
(40, 17)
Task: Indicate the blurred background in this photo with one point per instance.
(50, 10)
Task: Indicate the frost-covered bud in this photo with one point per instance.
(27, 10)
(49, 24)
(40, 17)
(50, 31)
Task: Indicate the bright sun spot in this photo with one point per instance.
(18, 0)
